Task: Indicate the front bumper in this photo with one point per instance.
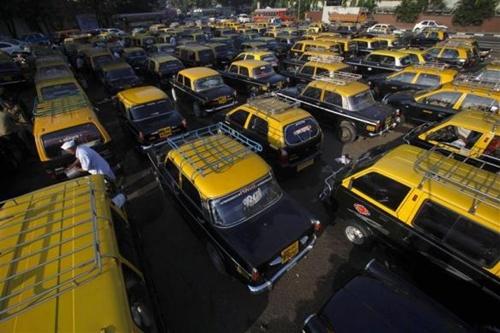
(268, 284)
(394, 124)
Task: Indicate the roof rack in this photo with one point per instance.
(215, 152)
(433, 65)
(61, 105)
(495, 62)
(327, 59)
(38, 256)
(455, 43)
(271, 104)
(446, 170)
(474, 81)
(339, 78)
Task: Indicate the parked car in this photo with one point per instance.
(36, 38)
(117, 76)
(194, 55)
(317, 66)
(135, 57)
(340, 100)
(420, 26)
(13, 46)
(382, 61)
(232, 201)
(428, 38)
(149, 115)
(243, 18)
(381, 28)
(160, 68)
(454, 54)
(261, 55)
(10, 72)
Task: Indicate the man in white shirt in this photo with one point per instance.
(87, 159)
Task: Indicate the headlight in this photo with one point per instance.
(316, 223)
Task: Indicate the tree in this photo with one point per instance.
(473, 12)
(408, 10)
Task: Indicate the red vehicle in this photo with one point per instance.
(267, 14)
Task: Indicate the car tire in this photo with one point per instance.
(216, 259)
(174, 95)
(357, 234)
(347, 132)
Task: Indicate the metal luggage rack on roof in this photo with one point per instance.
(47, 244)
(339, 78)
(474, 81)
(215, 152)
(61, 105)
(446, 169)
(271, 104)
(327, 59)
(432, 65)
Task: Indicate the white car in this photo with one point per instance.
(13, 46)
(243, 18)
(420, 26)
(381, 28)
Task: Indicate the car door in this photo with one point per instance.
(311, 96)
(434, 106)
(397, 82)
(257, 129)
(231, 76)
(237, 119)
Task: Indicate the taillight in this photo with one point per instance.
(141, 137)
(283, 157)
(255, 275)
(184, 123)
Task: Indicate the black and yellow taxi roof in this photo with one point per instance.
(344, 88)
(115, 65)
(193, 47)
(195, 73)
(140, 95)
(445, 73)
(128, 50)
(250, 64)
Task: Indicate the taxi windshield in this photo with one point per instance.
(102, 59)
(120, 73)
(361, 101)
(489, 75)
(152, 109)
(246, 203)
(263, 71)
(60, 90)
(170, 65)
(269, 58)
(208, 82)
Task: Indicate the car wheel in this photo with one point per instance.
(347, 132)
(357, 234)
(174, 95)
(216, 259)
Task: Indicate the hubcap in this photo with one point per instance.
(354, 235)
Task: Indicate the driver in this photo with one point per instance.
(87, 159)
(462, 135)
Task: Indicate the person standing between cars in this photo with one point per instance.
(173, 42)
(14, 133)
(87, 159)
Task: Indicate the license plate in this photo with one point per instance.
(290, 252)
(305, 164)
(165, 132)
(222, 100)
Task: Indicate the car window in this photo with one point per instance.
(434, 52)
(332, 98)
(413, 58)
(240, 57)
(180, 79)
(474, 241)
(297, 47)
(239, 117)
(374, 58)
(405, 77)
(459, 137)
(428, 80)
(308, 70)
(187, 82)
(312, 92)
(259, 126)
(191, 192)
(233, 69)
(322, 71)
(493, 148)
(244, 71)
(444, 99)
(472, 101)
(449, 54)
(382, 189)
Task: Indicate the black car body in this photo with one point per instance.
(10, 72)
(160, 68)
(382, 301)
(193, 55)
(135, 57)
(380, 62)
(117, 76)
(223, 53)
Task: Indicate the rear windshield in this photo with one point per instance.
(269, 58)
(121, 73)
(152, 109)
(206, 55)
(59, 90)
(489, 75)
(136, 54)
(406, 61)
(99, 60)
(263, 71)
(170, 65)
(209, 82)
(301, 131)
(83, 134)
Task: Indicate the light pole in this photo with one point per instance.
(298, 12)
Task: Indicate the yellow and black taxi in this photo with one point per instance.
(251, 77)
(194, 55)
(135, 57)
(293, 64)
(465, 92)
(340, 100)
(96, 264)
(192, 37)
(428, 38)
(262, 55)
(203, 89)
(365, 45)
(317, 66)
(58, 87)
(251, 228)
(253, 45)
(381, 61)
(223, 54)
(160, 68)
(290, 137)
(143, 40)
(472, 136)
(417, 56)
(470, 43)
(454, 54)
(96, 57)
(149, 114)
(67, 118)
(346, 45)
(490, 73)
(161, 49)
(302, 46)
(424, 203)
(10, 72)
(415, 77)
(116, 76)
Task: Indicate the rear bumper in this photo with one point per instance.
(268, 284)
(220, 107)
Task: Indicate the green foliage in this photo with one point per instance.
(409, 10)
(473, 12)
(369, 4)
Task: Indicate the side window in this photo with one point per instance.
(474, 241)
(308, 70)
(493, 148)
(239, 117)
(172, 171)
(444, 99)
(449, 54)
(244, 71)
(384, 190)
(250, 57)
(233, 69)
(259, 126)
(433, 35)
(187, 82)
(434, 52)
(312, 92)
(323, 71)
(428, 80)
(151, 66)
(459, 137)
(191, 192)
(191, 56)
(362, 45)
(477, 102)
(332, 98)
(413, 58)
(297, 47)
(405, 77)
(180, 79)
(240, 57)
(374, 58)
(184, 54)
(388, 61)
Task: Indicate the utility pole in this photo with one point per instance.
(298, 12)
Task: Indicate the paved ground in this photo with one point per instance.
(192, 296)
